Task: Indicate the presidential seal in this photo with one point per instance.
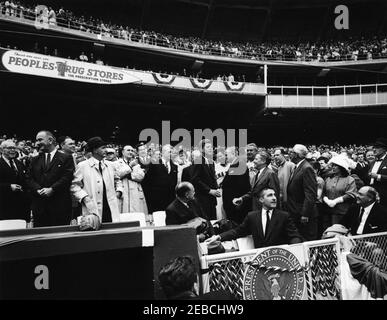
(274, 274)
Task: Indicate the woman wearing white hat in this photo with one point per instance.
(339, 191)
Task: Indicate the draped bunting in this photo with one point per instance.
(234, 86)
(201, 83)
(162, 78)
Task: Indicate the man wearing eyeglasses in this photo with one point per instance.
(14, 203)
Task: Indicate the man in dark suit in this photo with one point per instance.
(302, 194)
(204, 180)
(160, 180)
(378, 170)
(265, 178)
(184, 208)
(366, 216)
(188, 171)
(268, 226)
(48, 179)
(234, 185)
(14, 203)
(362, 168)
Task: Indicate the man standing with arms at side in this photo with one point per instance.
(204, 180)
(251, 152)
(49, 178)
(161, 181)
(378, 171)
(302, 194)
(234, 186)
(14, 203)
(285, 169)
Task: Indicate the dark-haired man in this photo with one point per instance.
(204, 180)
(269, 226)
(49, 178)
(265, 178)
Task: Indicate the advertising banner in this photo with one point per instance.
(65, 69)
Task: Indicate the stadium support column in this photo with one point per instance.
(208, 17)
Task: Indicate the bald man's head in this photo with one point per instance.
(185, 191)
(366, 196)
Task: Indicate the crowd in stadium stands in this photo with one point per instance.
(89, 57)
(60, 179)
(350, 49)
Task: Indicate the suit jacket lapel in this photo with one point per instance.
(53, 160)
(257, 179)
(258, 218)
(295, 171)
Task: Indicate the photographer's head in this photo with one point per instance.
(185, 191)
(178, 277)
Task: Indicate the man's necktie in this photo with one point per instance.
(100, 168)
(48, 160)
(267, 221)
(361, 214)
(13, 165)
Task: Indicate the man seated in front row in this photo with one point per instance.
(268, 226)
(367, 215)
(186, 210)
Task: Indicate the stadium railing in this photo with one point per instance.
(179, 44)
(322, 272)
(327, 97)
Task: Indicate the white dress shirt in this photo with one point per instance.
(52, 154)
(167, 165)
(364, 218)
(263, 217)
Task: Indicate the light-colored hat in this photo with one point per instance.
(110, 150)
(341, 161)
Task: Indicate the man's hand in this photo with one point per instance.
(90, 206)
(304, 220)
(46, 192)
(346, 243)
(212, 239)
(373, 175)
(215, 193)
(118, 194)
(237, 201)
(90, 222)
(16, 187)
(133, 163)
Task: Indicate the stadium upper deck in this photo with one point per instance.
(228, 29)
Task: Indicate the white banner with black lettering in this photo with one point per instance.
(66, 69)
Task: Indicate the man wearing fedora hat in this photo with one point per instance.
(96, 184)
(378, 171)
